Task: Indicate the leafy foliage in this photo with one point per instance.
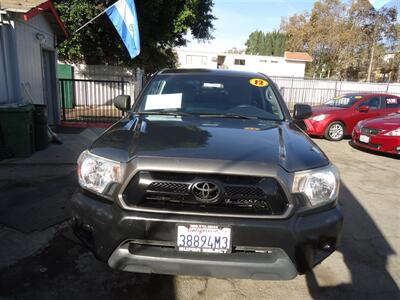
(347, 40)
(269, 43)
(163, 25)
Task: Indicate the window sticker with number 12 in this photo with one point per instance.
(258, 82)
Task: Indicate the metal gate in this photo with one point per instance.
(91, 101)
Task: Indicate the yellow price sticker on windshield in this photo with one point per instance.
(358, 97)
(252, 128)
(258, 82)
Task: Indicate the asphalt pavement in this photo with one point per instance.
(41, 259)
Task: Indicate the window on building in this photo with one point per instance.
(196, 60)
(239, 62)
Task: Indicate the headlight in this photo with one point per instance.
(97, 173)
(321, 185)
(319, 117)
(395, 132)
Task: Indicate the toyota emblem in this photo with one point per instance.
(206, 192)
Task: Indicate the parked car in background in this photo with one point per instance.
(379, 134)
(337, 117)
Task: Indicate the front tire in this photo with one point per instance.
(335, 131)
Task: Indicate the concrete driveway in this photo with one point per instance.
(367, 265)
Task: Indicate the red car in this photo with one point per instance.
(337, 117)
(380, 134)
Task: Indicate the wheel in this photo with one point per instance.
(335, 131)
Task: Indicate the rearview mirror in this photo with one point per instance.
(123, 102)
(302, 111)
(363, 108)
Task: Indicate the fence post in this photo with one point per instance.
(291, 91)
(123, 92)
(62, 98)
(335, 88)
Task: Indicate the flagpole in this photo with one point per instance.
(90, 21)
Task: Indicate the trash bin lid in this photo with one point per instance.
(17, 107)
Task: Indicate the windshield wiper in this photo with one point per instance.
(235, 116)
(164, 113)
(228, 115)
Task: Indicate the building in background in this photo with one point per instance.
(29, 33)
(293, 64)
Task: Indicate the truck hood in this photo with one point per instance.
(230, 140)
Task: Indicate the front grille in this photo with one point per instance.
(168, 187)
(376, 146)
(371, 131)
(174, 191)
(243, 192)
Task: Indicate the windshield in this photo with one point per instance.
(343, 101)
(214, 95)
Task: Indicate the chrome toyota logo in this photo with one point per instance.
(206, 192)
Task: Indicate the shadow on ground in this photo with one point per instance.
(365, 252)
(35, 204)
(65, 270)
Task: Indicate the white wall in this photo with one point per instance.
(29, 51)
(10, 91)
(269, 65)
(196, 59)
(103, 72)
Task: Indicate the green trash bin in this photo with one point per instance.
(16, 127)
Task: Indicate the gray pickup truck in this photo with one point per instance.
(208, 174)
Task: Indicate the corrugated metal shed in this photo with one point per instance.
(29, 31)
(32, 8)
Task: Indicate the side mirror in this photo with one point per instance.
(363, 108)
(302, 111)
(122, 102)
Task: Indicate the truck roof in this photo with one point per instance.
(220, 72)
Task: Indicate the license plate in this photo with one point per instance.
(364, 139)
(203, 238)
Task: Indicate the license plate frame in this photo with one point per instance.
(210, 231)
(364, 138)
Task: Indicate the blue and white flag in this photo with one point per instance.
(123, 16)
(378, 4)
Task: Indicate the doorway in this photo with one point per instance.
(50, 86)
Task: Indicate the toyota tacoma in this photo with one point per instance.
(208, 174)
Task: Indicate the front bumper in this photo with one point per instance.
(262, 249)
(380, 143)
(315, 128)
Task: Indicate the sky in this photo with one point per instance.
(236, 19)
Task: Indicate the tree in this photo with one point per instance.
(376, 27)
(344, 39)
(163, 25)
(269, 43)
(323, 34)
(235, 50)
